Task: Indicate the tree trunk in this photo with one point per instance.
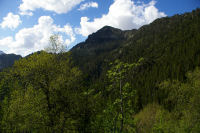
(63, 125)
(121, 108)
(115, 122)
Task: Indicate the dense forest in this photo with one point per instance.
(136, 81)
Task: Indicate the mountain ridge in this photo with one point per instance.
(1, 52)
(7, 60)
(166, 44)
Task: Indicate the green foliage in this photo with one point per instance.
(182, 99)
(146, 119)
(25, 112)
(43, 94)
(120, 105)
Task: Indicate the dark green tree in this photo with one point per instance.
(44, 94)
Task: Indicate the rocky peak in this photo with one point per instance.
(105, 34)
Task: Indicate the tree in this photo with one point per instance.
(44, 97)
(55, 44)
(117, 77)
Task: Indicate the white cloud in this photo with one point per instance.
(11, 21)
(123, 14)
(28, 13)
(58, 6)
(36, 38)
(88, 5)
(6, 40)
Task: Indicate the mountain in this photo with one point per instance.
(106, 34)
(7, 60)
(90, 55)
(170, 48)
(1, 52)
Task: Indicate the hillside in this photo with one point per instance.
(137, 81)
(7, 60)
(90, 55)
(170, 47)
(1, 52)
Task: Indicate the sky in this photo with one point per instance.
(26, 25)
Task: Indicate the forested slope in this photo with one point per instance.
(170, 47)
(7, 60)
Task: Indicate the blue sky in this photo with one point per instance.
(26, 25)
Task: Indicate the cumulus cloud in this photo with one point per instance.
(88, 5)
(123, 14)
(36, 38)
(11, 21)
(58, 6)
(6, 40)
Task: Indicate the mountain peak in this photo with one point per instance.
(108, 28)
(107, 33)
